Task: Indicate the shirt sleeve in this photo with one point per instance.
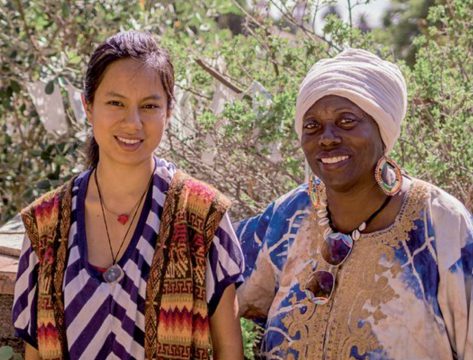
(454, 236)
(257, 292)
(25, 298)
(225, 263)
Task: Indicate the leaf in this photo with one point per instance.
(6, 352)
(43, 185)
(15, 86)
(49, 88)
(65, 9)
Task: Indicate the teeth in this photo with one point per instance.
(128, 141)
(333, 160)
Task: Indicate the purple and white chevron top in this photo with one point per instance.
(105, 321)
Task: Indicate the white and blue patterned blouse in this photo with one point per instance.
(106, 321)
(404, 293)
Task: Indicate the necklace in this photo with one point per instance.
(123, 217)
(115, 273)
(319, 201)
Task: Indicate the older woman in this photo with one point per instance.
(362, 262)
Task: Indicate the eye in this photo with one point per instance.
(115, 103)
(150, 106)
(347, 121)
(310, 125)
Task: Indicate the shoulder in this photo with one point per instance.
(165, 170)
(441, 203)
(49, 201)
(450, 223)
(278, 216)
(199, 191)
(293, 202)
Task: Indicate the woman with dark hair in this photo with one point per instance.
(133, 258)
(363, 261)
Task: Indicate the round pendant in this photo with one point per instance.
(113, 274)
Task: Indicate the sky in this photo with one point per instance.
(374, 11)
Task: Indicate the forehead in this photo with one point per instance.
(332, 104)
(132, 77)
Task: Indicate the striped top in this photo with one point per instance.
(106, 321)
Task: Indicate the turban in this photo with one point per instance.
(374, 85)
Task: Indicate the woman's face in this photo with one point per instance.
(129, 112)
(341, 143)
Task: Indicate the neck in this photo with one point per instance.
(123, 182)
(349, 209)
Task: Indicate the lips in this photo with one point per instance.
(129, 143)
(334, 159)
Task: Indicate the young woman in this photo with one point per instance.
(132, 259)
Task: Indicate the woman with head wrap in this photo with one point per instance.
(362, 262)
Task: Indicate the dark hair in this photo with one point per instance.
(128, 44)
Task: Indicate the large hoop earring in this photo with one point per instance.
(388, 175)
(316, 191)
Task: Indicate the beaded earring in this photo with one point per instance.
(388, 175)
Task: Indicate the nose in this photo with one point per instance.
(329, 136)
(133, 118)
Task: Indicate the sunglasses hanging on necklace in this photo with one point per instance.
(337, 245)
(115, 273)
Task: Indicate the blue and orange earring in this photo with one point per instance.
(388, 175)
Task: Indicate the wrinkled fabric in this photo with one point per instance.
(403, 293)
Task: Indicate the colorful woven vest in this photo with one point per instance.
(176, 314)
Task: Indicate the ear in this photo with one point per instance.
(168, 116)
(87, 108)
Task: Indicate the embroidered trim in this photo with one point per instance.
(333, 330)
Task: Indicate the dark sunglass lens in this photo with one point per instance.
(336, 248)
(319, 287)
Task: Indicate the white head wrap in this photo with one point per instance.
(375, 85)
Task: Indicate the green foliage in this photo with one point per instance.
(251, 336)
(7, 353)
(404, 21)
(254, 152)
(441, 114)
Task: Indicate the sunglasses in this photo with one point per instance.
(335, 250)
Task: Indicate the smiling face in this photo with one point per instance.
(341, 143)
(129, 112)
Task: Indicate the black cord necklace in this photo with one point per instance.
(115, 273)
(355, 233)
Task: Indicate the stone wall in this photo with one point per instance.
(6, 328)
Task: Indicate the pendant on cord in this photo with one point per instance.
(113, 274)
(123, 218)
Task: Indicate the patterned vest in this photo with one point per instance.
(176, 314)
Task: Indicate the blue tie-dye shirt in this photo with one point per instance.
(403, 293)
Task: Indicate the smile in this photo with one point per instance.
(334, 159)
(128, 141)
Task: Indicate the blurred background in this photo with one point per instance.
(238, 65)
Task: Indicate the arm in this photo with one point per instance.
(256, 294)
(225, 328)
(31, 353)
(453, 228)
(25, 298)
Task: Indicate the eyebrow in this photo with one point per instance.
(150, 97)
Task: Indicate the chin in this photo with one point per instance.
(127, 159)
(337, 182)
